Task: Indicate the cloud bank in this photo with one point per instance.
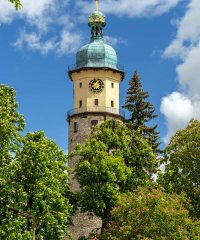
(50, 25)
(47, 26)
(131, 8)
(181, 106)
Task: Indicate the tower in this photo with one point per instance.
(96, 77)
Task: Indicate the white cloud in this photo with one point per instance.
(69, 42)
(37, 7)
(7, 12)
(41, 13)
(180, 107)
(114, 41)
(47, 26)
(66, 43)
(33, 42)
(131, 8)
(189, 72)
(188, 32)
(179, 110)
(31, 10)
(176, 50)
(44, 18)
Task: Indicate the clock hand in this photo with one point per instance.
(96, 85)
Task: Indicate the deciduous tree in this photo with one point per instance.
(182, 161)
(11, 123)
(37, 184)
(112, 161)
(17, 4)
(151, 214)
(33, 179)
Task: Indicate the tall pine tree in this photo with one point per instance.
(141, 112)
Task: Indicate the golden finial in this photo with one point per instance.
(96, 17)
(97, 5)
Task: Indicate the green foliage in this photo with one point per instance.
(17, 4)
(151, 214)
(11, 123)
(141, 112)
(182, 172)
(112, 161)
(37, 183)
(33, 179)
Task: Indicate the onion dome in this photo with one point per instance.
(96, 53)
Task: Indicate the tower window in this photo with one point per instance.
(75, 127)
(94, 122)
(80, 84)
(112, 103)
(80, 103)
(112, 85)
(96, 102)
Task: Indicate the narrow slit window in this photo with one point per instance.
(80, 84)
(112, 85)
(80, 103)
(75, 127)
(96, 102)
(112, 103)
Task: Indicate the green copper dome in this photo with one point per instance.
(96, 53)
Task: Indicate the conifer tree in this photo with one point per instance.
(141, 112)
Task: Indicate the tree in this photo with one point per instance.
(112, 161)
(11, 123)
(182, 171)
(151, 214)
(17, 4)
(33, 179)
(141, 112)
(37, 184)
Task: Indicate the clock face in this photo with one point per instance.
(96, 85)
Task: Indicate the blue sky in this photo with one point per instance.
(159, 38)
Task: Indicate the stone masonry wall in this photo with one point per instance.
(82, 223)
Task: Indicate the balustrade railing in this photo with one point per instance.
(111, 110)
(117, 67)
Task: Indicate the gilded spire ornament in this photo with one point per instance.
(97, 5)
(97, 18)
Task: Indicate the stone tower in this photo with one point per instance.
(96, 77)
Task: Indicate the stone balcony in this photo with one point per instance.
(96, 109)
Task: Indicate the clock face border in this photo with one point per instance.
(96, 85)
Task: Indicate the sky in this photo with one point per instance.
(159, 38)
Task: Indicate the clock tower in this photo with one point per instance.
(96, 78)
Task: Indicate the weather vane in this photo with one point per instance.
(97, 5)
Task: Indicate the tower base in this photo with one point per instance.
(83, 225)
(79, 130)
